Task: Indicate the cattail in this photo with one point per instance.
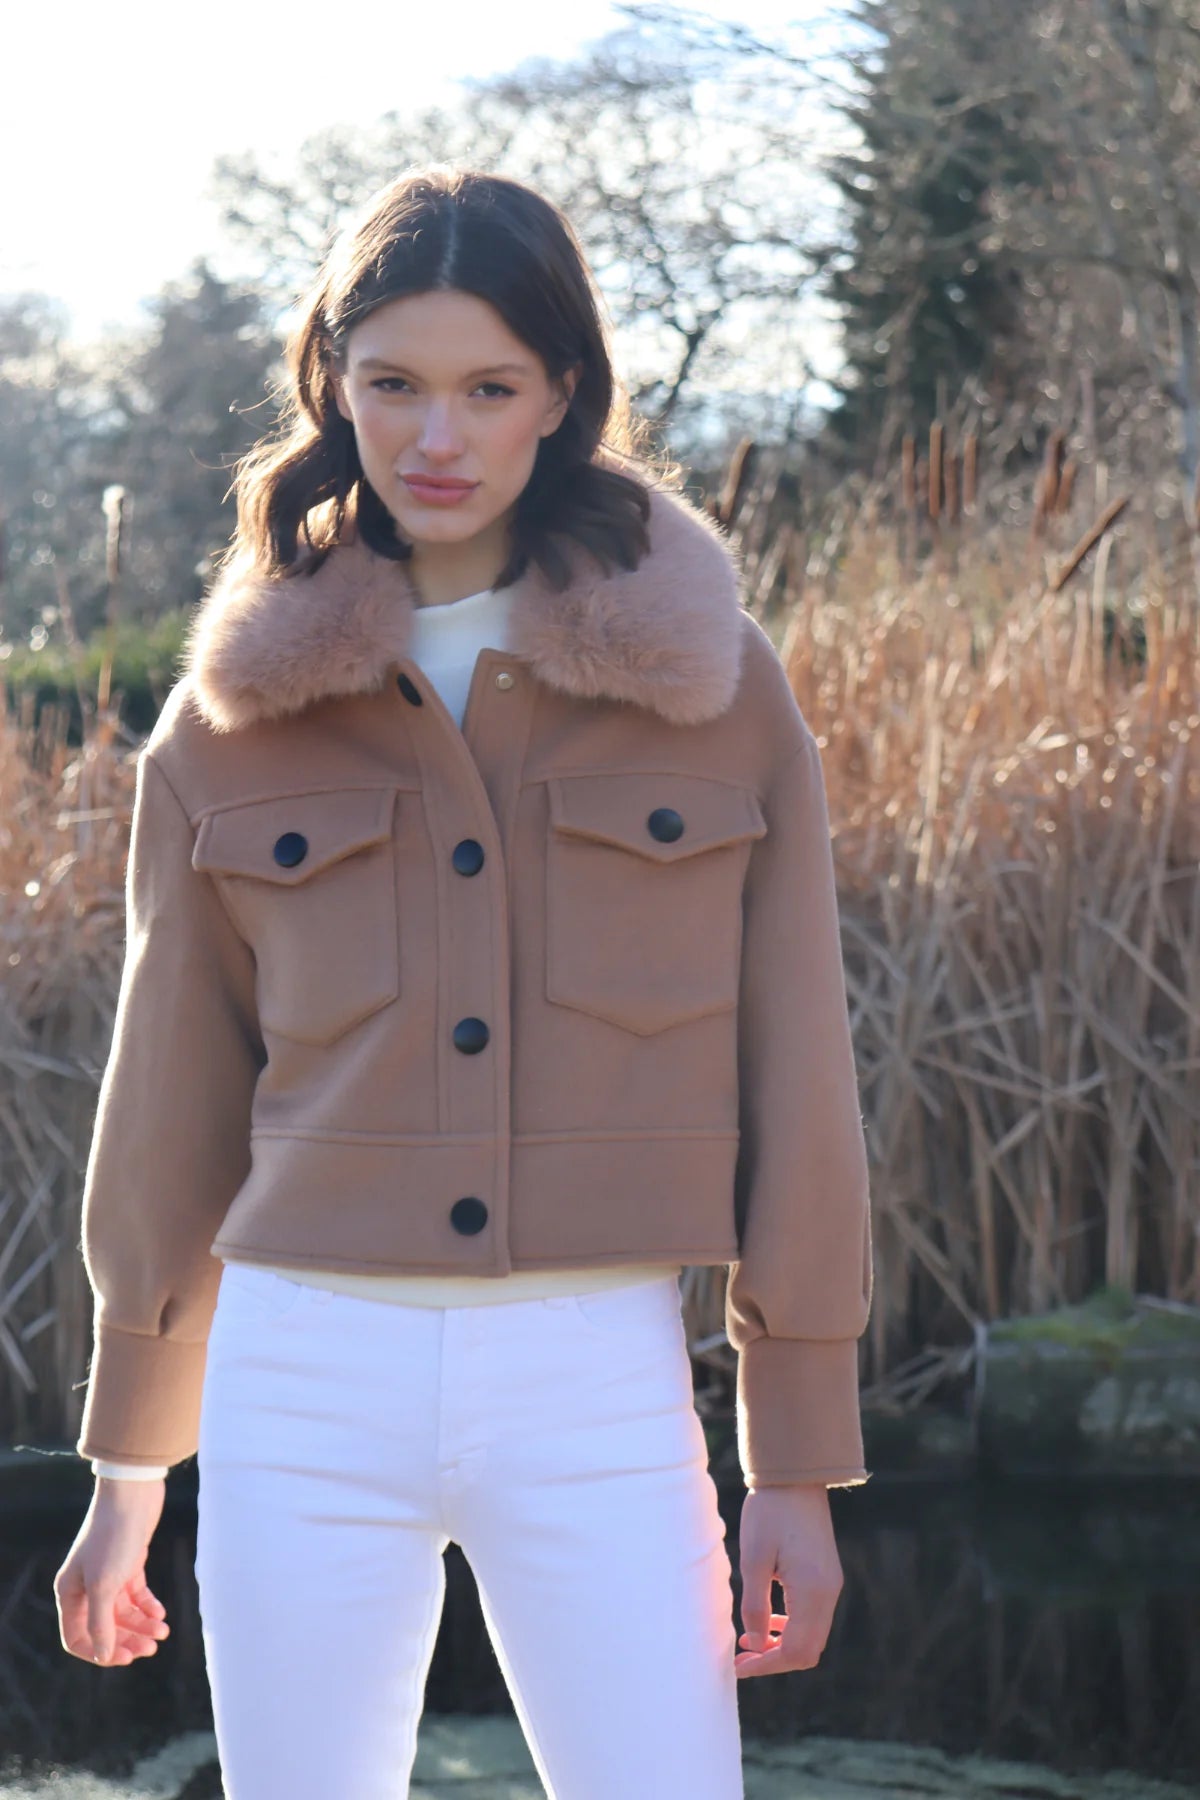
(736, 477)
(908, 457)
(113, 502)
(1046, 489)
(935, 469)
(970, 463)
(1066, 486)
(951, 480)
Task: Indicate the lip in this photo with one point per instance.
(438, 493)
(448, 481)
(451, 483)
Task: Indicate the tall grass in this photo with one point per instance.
(64, 827)
(1011, 743)
(1009, 725)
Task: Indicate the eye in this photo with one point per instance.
(385, 384)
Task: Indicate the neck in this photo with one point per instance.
(442, 573)
(453, 591)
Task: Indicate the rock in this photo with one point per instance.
(1108, 1387)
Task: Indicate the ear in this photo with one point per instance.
(558, 410)
(337, 384)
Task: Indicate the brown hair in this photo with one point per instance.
(438, 227)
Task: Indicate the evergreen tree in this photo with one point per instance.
(921, 300)
(189, 400)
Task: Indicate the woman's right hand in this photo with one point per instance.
(106, 1613)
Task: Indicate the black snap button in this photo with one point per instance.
(290, 849)
(468, 856)
(410, 691)
(468, 1215)
(665, 824)
(470, 1035)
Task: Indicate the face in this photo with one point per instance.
(436, 384)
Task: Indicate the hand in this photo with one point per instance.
(106, 1613)
(786, 1533)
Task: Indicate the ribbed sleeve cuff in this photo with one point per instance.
(143, 1398)
(798, 1412)
(117, 1471)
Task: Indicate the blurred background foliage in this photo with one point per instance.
(984, 217)
(915, 305)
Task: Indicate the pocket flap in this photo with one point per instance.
(320, 829)
(616, 809)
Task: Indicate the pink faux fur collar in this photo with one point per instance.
(666, 635)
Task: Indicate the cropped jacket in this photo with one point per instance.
(562, 987)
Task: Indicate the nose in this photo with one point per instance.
(441, 437)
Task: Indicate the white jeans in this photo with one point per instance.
(345, 1441)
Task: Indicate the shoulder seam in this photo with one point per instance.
(149, 756)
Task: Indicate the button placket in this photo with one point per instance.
(469, 1214)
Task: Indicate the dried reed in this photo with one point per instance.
(1014, 788)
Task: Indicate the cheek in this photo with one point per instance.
(378, 428)
(515, 436)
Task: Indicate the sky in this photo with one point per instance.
(113, 114)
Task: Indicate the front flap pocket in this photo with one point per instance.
(288, 839)
(644, 876)
(310, 879)
(634, 812)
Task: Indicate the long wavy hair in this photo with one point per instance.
(441, 227)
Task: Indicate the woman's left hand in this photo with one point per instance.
(786, 1534)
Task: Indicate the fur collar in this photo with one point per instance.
(666, 635)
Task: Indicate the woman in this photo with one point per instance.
(483, 970)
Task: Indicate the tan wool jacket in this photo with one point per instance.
(563, 988)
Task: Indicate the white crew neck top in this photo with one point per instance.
(446, 641)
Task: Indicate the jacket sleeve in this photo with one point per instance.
(797, 1299)
(171, 1141)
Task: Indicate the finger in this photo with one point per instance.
(101, 1627)
(125, 1646)
(148, 1601)
(759, 1619)
(72, 1614)
(802, 1642)
(776, 1622)
(138, 1643)
(142, 1619)
(756, 1647)
(758, 1573)
(778, 1660)
(153, 1630)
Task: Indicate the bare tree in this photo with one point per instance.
(1118, 237)
(686, 186)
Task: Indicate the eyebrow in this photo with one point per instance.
(515, 368)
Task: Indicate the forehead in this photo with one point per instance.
(442, 332)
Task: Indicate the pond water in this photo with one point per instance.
(1054, 1624)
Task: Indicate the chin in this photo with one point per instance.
(439, 529)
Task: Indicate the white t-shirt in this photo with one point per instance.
(446, 640)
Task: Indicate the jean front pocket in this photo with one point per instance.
(263, 1296)
(622, 1312)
